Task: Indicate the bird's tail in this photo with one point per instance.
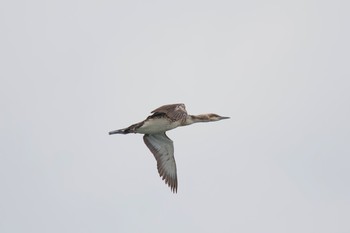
(119, 131)
(130, 129)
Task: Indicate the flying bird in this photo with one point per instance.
(163, 119)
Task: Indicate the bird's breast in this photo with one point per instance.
(157, 125)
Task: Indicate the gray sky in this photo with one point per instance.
(73, 70)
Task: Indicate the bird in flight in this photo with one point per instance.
(165, 118)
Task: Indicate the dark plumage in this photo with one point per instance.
(164, 118)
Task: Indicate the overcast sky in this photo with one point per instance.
(73, 70)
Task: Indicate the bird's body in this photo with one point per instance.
(157, 124)
(165, 118)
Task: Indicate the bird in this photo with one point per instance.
(154, 127)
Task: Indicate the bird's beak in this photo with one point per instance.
(223, 118)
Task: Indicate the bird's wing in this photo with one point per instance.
(174, 111)
(163, 150)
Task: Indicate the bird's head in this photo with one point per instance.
(216, 117)
(207, 118)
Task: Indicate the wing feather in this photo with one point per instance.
(173, 111)
(163, 150)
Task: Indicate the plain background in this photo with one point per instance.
(73, 70)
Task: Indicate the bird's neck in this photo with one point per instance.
(191, 119)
